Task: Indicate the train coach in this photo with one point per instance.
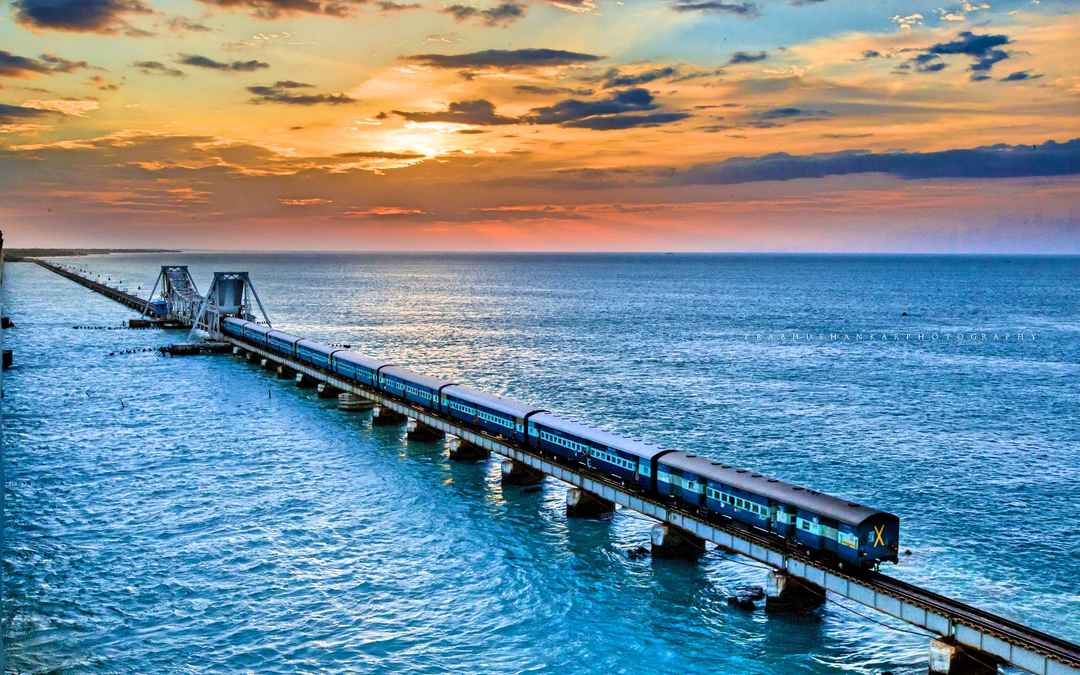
(356, 367)
(826, 526)
(842, 530)
(423, 390)
(246, 330)
(496, 415)
(631, 462)
(282, 342)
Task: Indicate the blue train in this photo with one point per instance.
(832, 529)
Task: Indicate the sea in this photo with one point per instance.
(188, 515)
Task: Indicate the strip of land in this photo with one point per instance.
(20, 254)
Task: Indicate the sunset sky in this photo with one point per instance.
(732, 125)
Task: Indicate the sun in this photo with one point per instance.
(431, 139)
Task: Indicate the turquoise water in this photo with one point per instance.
(179, 515)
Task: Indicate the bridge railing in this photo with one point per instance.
(1008, 641)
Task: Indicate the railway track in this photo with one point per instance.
(1010, 631)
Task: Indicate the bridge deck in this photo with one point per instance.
(1008, 640)
(132, 301)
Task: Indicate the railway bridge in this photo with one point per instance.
(963, 640)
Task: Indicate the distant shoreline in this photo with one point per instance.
(21, 254)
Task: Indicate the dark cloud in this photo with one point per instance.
(61, 65)
(12, 65)
(569, 110)
(615, 78)
(620, 110)
(969, 43)
(80, 16)
(502, 14)
(157, 68)
(102, 84)
(747, 57)
(1020, 76)
(697, 74)
(284, 91)
(987, 60)
(995, 161)
(983, 49)
(478, 112)
(777, 117)
(388, 6)
(276, 9)
(10, 114)
(783, 113)
(181, 24)
(616, 122)
(745, 9)
(928, 63)
(551, 91)
(210, 64)
(504, 59)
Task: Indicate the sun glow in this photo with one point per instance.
(430, 139)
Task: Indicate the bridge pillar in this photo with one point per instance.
(584, 504)
(950, 658)
(671, 542)
(516, 473)
(284, 372)
(249, 356)
(418, 431)
(237, 351)
(786, 593)
(463, 451)
(326, 391)
(347, 401)
(384, 417)
(304, 381)
(266, 363)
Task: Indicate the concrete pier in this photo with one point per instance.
(949, 658)
(347, 401)
(266, 363)
(304, 381)
(786, 593)
(384, 417)
(516, 473)
(284, 373)
(417, 431)
(326, 391)
(671, 542)
(464, 451)
(583, 504)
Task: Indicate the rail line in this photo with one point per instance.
(1008, 630)
(1006, 641)
(126, 299)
